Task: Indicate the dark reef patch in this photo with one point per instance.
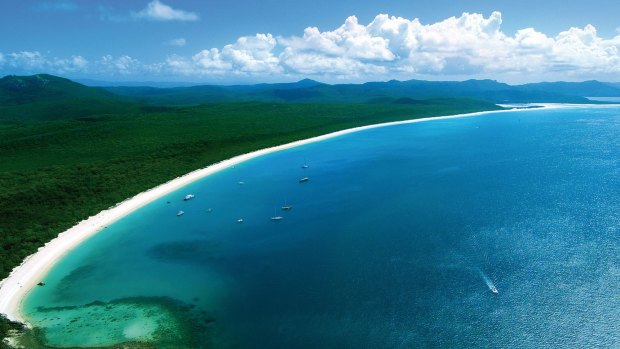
(187, 252)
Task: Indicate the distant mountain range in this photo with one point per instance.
(310, 91)
(590, 88)
(28, 97)
(613, 84)
(162, 84)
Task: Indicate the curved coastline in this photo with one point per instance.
(23, 278)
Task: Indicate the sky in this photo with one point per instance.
(242, 41)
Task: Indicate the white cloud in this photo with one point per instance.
(250, 55)
(180, 42)
(580, 49)
(394, 47)
(351, 40)
(158, 11)
(468, 46)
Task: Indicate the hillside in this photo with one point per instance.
(47, 97)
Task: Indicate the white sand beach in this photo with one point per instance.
(23, 278)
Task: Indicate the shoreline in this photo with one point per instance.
(24, 277)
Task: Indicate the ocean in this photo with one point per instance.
(395, 241)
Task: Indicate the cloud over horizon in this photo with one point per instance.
(388, 47)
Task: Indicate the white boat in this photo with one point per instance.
(180, 213)
(286, 207)
(304, 166)
(305, 179)
(188, 197)
(240, 220)
(276, 217)
(494, 290)
(241, 182)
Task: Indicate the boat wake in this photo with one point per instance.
(488, 281)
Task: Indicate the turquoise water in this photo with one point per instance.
(394, 242)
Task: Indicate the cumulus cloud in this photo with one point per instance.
(249, 56)
(467, 46)
(396, 47)
(158, 11)
(179, 42)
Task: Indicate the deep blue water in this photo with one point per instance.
(387, 246)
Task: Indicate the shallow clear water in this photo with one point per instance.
(395, 241)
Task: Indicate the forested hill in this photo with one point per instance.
(48, 97)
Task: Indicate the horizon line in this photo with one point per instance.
(179, 83)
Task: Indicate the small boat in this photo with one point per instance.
(188, 197)
(180, 213)
(305, 179)
(304, 166)
(241, 182)
(41, 283)
(240, 220)
(286, 207)
(276, 217)
(494, 290)
(209, 210)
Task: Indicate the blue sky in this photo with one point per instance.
(334, 41)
